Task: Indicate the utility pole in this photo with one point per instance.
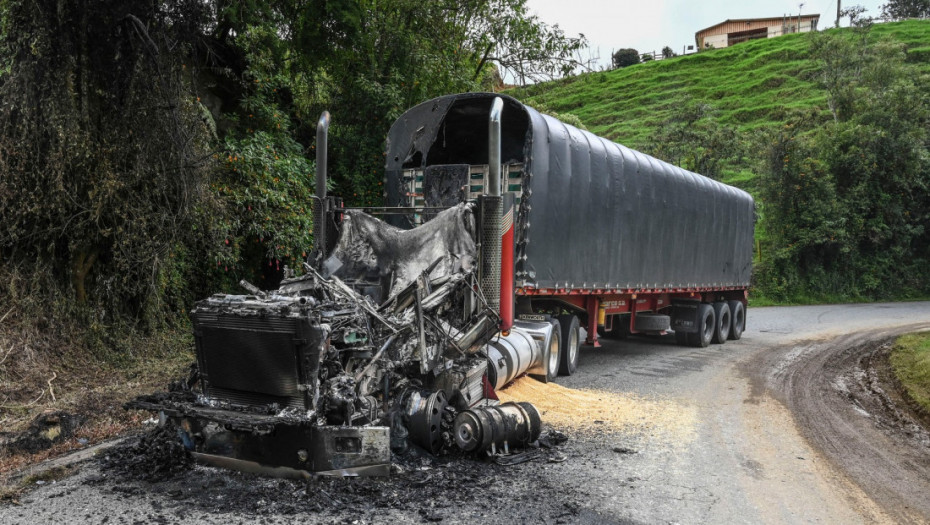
(838, 2)
(800, 7)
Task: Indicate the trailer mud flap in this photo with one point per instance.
(684, 316)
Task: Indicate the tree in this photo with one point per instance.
(694, 139)
(625, 57)
(898, 9)
(667, 52)
(389, 58)
(519, 43)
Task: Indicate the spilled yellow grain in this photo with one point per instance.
(600, 411)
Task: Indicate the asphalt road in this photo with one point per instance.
(791, 424)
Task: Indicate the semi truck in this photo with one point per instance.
(507, 238)
(595, 234)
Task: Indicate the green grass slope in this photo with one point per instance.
(752, 85)
(910, 360)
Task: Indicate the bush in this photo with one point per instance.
(625, 57)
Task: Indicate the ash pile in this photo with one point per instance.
(387, 344)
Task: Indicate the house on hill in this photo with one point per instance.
(731, 32)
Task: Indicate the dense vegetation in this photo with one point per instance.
(153, 152)
(828, 130)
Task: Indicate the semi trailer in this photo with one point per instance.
(507, 238)
(596, 235)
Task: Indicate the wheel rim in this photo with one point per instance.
(738, 321)
(725, 326)
(709, 327)
(573, 346)
(553, 355)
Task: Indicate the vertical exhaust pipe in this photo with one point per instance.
(494, 148)
(319, 205)
(491, 213)
(496, 181)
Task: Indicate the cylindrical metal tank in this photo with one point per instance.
(531, 348)
(499, 427)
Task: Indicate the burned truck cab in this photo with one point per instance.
(395, 335)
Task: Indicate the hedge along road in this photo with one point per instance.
(787, 425)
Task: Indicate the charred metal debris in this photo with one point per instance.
(388, 343)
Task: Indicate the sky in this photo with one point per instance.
(651, 25)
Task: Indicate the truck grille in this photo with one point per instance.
(257, 361)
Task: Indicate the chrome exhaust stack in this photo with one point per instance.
(319, 204)
(490, 277)
(521, 348)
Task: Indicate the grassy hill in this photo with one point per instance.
(827, 235)
(751, 85)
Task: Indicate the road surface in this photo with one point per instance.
(792, 424)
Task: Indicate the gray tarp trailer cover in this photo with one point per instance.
(593, 214)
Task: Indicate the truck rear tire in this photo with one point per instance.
(707, 324)
(738, 319)
(722, 326)
(571, 341)
(555, 351)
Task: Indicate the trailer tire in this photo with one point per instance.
(555, 351)
(722, 324)
(707, 324)
(738, 319)
(571, 341)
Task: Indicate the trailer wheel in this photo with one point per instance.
(722, 326)
(738, 319)
(571, 329)
(555, 347)
(706, 326)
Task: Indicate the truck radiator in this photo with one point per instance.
(257, 361)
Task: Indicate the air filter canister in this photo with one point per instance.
(516, 424)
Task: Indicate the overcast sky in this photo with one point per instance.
(651, 25)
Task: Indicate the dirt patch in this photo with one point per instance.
(896, 410)
(845, 403)
(45, 431)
